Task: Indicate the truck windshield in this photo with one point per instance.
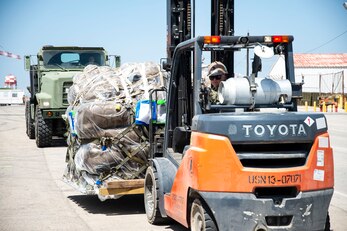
(72, 59)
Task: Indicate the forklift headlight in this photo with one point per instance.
(45, 104)
(49, 114)
(268, 39)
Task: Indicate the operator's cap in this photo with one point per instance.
(217, 68)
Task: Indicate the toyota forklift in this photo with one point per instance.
(249, 162)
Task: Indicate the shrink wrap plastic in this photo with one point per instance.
(104, 143)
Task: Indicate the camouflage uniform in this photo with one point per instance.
(214, 95)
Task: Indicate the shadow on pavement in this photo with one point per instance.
(126, 205)
(130, 204)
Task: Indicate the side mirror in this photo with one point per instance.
(27, 62)
(165, 64)
(39, 57)
(117, 60)
(29, 89)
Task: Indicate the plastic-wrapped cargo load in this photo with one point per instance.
(101, 119)
(93, 159)
(104, 142)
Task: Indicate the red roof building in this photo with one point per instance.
(320, 60)
(321, 73)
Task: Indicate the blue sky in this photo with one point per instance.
(136, 29)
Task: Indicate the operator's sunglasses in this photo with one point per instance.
(217, 77)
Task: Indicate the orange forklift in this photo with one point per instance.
(249, 162)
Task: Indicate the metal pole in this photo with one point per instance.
(333, 84)
(343, 88)
(247, 66)
(320, 84)
(193, 16)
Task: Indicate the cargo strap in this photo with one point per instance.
(142, 133)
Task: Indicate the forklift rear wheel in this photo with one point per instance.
(200, 218)
(151, 197)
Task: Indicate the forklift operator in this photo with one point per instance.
(217, 72)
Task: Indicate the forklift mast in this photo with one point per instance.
(181, 20)
(222, 23)
(180, 28)
(179, 25)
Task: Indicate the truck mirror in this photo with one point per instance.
(117, 61)
(165, 65)
(39, 58)
(27, 62)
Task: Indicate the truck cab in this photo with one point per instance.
(51, 75)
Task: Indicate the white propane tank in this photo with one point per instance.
(269, 91)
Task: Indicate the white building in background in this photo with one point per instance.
(321, 73)
(9, 94)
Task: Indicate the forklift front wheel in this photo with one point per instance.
(327, 223)
(200, 218)
(151, 197)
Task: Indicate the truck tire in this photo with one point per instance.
(43, 130)
(200, 218)
(151, 197)
(30, 126)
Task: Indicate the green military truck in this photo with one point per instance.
(50, 78)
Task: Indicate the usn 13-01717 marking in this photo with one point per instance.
(264, 179)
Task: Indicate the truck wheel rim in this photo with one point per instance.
(197, 220)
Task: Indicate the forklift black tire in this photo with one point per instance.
(327, 223)
(151, 197)
(200, 219)
(43, 130)
(30, 126)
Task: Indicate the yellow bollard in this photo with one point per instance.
(306, 106)
(314, 106)
(345, 106)
(324, 107)
(340, 101)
